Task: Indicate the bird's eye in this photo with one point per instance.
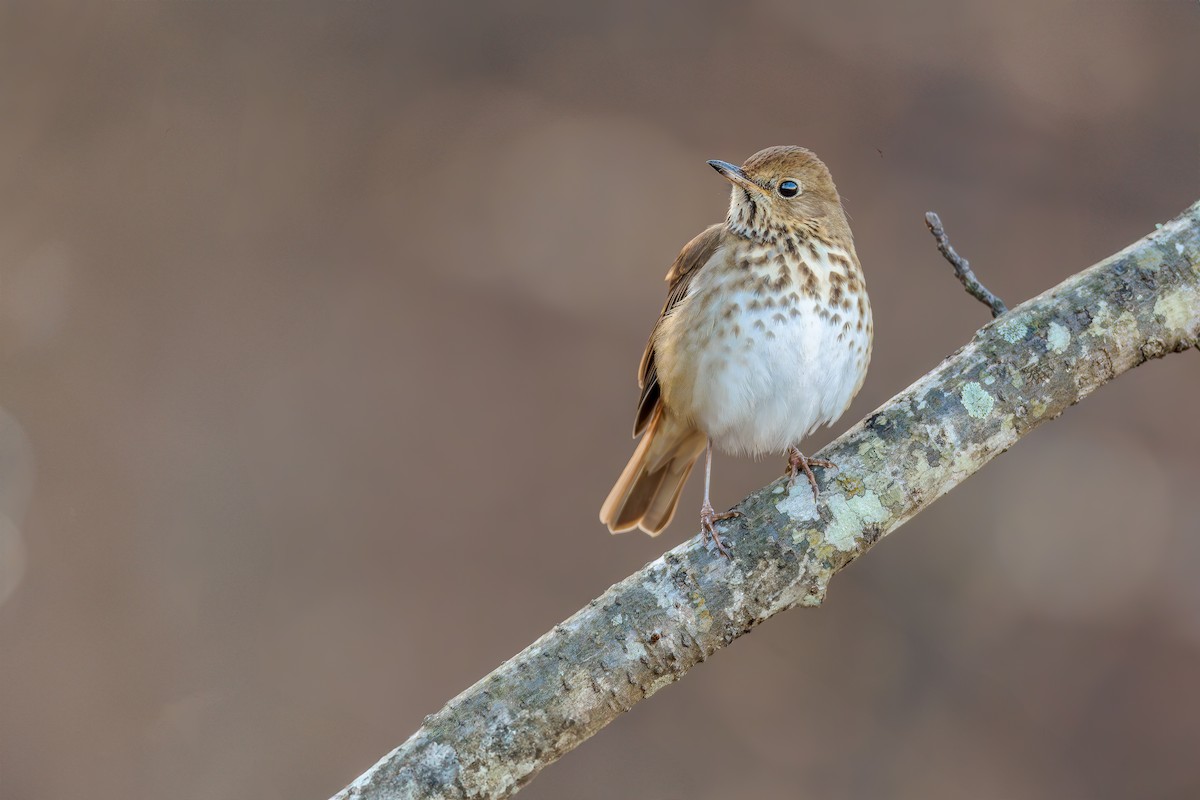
(789, 188)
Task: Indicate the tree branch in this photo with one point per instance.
(648, 630)
(962, 267)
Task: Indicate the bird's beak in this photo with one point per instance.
(735, 175)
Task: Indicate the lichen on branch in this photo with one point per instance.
(647, 631)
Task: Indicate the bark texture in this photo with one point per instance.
(648, 630)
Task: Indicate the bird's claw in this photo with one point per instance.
(799, 463)
(707, 517)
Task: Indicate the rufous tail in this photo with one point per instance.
(648, 490)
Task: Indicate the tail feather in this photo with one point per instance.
(646, 494)
(660, 512)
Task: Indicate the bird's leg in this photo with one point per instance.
(797, 463)
(707, 515)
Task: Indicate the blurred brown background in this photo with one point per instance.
(319, 326)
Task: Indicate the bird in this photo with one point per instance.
(765, 335)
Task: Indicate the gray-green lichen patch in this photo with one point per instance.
(1175, 309)
(1013, 330)
(976, 400)
(1106, 325)
(1058, 337)
(869, 452)
(850, 517)
(1125, 328)
(893, 498)
(799, 504)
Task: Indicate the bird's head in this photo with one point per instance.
(782, 190)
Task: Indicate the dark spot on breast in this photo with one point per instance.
(837, 258)
(810, 282)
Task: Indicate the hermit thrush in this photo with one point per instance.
(765, 335)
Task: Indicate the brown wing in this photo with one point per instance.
(694, 255)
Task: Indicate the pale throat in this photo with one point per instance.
(751, 218)
(795, 256)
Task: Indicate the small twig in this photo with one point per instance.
(962, 267)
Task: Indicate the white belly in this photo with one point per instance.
(761, 378)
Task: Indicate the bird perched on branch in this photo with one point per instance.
(765, 335)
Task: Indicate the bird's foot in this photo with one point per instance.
(797, 463)
(707, 517)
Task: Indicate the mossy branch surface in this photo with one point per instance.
(647, 631)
